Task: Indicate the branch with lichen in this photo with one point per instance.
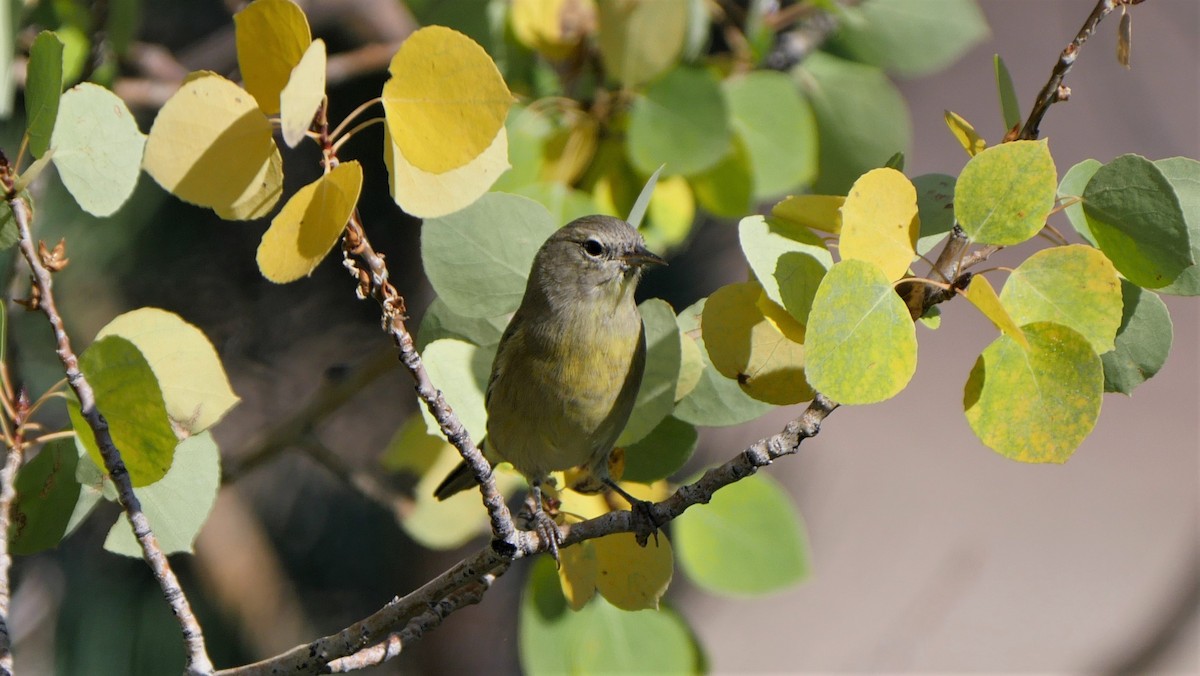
(197, 657)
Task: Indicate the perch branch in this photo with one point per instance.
(197, 657)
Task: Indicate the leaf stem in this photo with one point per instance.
(350, 134)
(362, 108)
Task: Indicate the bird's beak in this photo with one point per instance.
(642, 256)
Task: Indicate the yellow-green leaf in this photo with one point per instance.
(748, 347)
(1035, 405)
(427, 195)
(195, 389)
(819, 212)
(1006, 192)
(879, 222)
(970, 139)
(1076, 286)
(445, 101)
(861, 341)
(302, 96)
(983, 296)
(640, 39)
(302, 233)
(671, 213)
(210, 145)
(97, 148)
(271, 38)
(632, 577)
(779, 249)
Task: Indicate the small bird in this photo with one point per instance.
(569, 365)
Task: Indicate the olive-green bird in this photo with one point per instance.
(569, 365)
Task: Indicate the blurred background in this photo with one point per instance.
(930, 552)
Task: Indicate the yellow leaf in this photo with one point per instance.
(553, 27)
(570, 149)
(271, 38)
(445, 101)
(983, 296)
(744, 345)
(672, 209)
(427, 195)
(879, 221)
(577, 573)
(302, 233)
(691, 367)
(819, 212)
(780, 319)
(971, 141)
(632, 577)
(210, 145)
(301, 98)
(256, 203)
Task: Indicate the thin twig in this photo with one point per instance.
(1055, 90)
(197, 657)
(8, 495)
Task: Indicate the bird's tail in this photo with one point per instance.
(459, 479)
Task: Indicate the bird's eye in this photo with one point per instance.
(593, 248)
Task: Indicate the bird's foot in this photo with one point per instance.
(542, 523)
(644, 522)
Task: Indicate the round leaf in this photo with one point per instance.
(478, 258)
(97, 148)
(912, 40)
(461, 370)
(129, 398)
(47, 493)
(271, 38)
(778, 129)
(656, 396)
(715, 401)
(766, 241)
(445, 101)
(861, 342)
(1035, 405)
(879, 222)
(178, 504)
(726, 189)
(1071, 187)
(681, 121)
(211, 146)
(748, 540)
(630, 576)
(442, 322)
(1184, 175)
(1074, 285)
(935, 209)
(302, 95)
(819, 212)
(1135, 215)
(194, 386)
(640, 40)
(1006, 192)
(1143, 341)
(746, 346)
(303, 232)
(661, 453)
(428, 195)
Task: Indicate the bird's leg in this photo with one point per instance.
(543, 523)
(643, 514)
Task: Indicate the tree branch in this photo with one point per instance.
(1055, 90)
(8, 494)
(197, 657)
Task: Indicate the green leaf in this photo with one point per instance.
(441, 322)
(656, 396)
(767, 243)
(715, 401)
(749, 540)
(726, 189)
(599, 638)
(661, 453)
(1071, 187)
(913, 38)
(129, 397)
(1006, 192)
(477, 259)
(1009, 107)
(935, 208)
(1035, 405)
(43, 89)
(564, 204)
(177, 505)
(194, 386)
(862, 119)
(10, 20)
(1074, 285)
(1143, 341)
(680, 121)
(640, 40)
(47, 493)
(778, 129)
(1136, 217)
(1184, 175)
(97, 148)
(461, 370)
(861, 343)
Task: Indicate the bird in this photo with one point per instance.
(569, 364)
